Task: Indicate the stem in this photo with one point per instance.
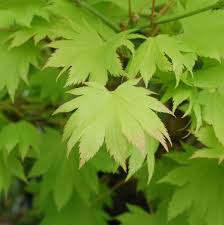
(99, 15)
(217, 5)
(130, 12)
(109, 192)
(153, 11)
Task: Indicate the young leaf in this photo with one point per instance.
(153, 54)
(47, 83)
(137, 214)
(214, 149)
(89, 46)
(22, 134)
(22, 12)
(14, 64)
(204, 34)
(61, 175)
(137, 158)
(76, 210)
(40, 29)
(191, 198)
(119, 117)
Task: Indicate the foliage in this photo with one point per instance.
(91, 90)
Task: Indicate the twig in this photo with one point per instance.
(214, 6)
(165, 8)
(109, 192)
(161, 12)
(153, 11)
(130, 12)
(95, 12)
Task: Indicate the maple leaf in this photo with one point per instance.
(214, 149)
(212, 103)
(187, 96)
(89, 46)
(76, 210)
(20, 58)
(22, 12)
(204, 34)
(153, 54)
(48, 85)
(75, 15)
(189, 197)
(137, 158)
(61, 174)
(137, 214)
(53, 28)
(121, 116)
(22, 134)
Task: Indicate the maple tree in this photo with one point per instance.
(100, 95)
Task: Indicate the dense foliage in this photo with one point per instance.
(105, 98)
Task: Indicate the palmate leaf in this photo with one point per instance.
(53, 28)
(22, 12)
(203, 32)
(137, 214)
(211, 98)
(62, 176)
(75, 212)
(119, 117)
(187, 96)
(137, 158)
(10, 167)
(15, 63)
(212, 103)
(202, 205)
(48, 85)
(22, 135)
(89, 46)
(214, 149)
(164, 53)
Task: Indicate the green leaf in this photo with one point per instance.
(191, 198)
(119, 117)
(76, 210)
(89, 46)
(137, 214)
(15, 63)
(21, 134)
(22, 12)
(137, 158)
(153, 54)
(40, 29)
(214, 149)
(47, 83)
(212, 102)
(204, 34)
(61, 174)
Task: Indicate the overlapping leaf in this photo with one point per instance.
(53, 28)
(89, 46)
(76, 210)
(137, 214)
(22, 12)
(203, 205)
(22, 134)
(15, 63)
(214, 149)
(164, 53)
(61, 175)
(203, 32)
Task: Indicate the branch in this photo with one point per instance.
(215, 6)
(95, 12)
